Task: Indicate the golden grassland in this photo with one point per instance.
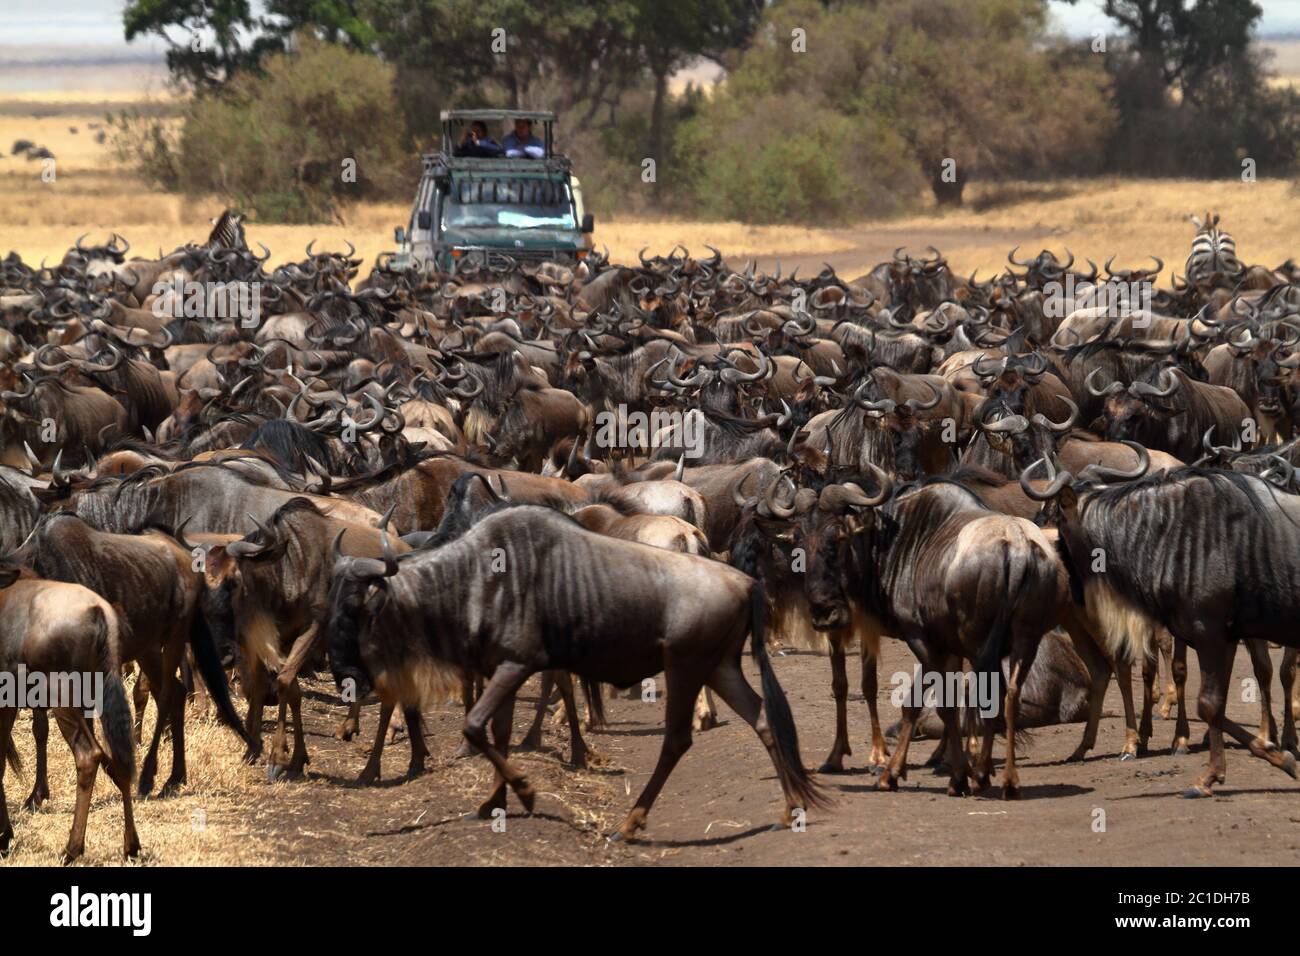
(1096, 218)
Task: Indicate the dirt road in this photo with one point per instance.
(719, 806)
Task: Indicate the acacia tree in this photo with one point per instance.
(209, 42)
(967, 87)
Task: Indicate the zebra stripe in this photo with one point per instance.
(227, 232)
(1213, 251)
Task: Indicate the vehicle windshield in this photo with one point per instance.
(515, 215)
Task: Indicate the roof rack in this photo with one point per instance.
(441, 163)
(493, 116)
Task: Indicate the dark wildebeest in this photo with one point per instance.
(55, 628)
(1212, 555)
(561, 601)
(934, 566)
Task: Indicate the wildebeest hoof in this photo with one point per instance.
(887, 782)
(958, 788)
(464, 750)
(1077, 756)
(171, 788)
(6, 842)
(252, 755)
(1010, 791)
(36, 800)
(1125, 755)
(1180, 746)
(486, 808)
(526, 795)
(1196, 792)
(1288, 765)
(832, 766)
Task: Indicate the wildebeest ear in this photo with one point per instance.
(1069, 501)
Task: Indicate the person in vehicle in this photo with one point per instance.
(522, 143)
(475, 141)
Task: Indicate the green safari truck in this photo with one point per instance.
(473, 211)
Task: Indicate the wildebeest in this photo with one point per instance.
(54, 628)
(557, 602)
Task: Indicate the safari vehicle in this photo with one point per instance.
(471, 210)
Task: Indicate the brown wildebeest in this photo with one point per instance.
(55, 628)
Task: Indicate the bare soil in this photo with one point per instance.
(719, 806)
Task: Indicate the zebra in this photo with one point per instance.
(1214, 253)
(227, 232)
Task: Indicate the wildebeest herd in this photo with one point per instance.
(444, 484)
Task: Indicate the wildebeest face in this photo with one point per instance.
(822, 538)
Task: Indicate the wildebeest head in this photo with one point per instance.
(822, 524)
(1126, 412)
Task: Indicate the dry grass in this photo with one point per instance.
(1094, 218)
(205, 824)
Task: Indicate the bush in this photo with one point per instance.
(778, 159)
(314, 130)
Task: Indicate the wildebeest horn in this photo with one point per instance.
(1143, 389)
(850, 495)
(1100, 473)
(1055, 481)
(680, 471)
(919, 406)
(1111, 389)
(1220, 450)
(1065, 426)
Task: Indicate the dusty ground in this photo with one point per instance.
(717, 808)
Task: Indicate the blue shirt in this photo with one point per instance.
(517, 148)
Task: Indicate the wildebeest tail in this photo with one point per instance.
(780, 720)
(115, 711)
(208, 661)
(343, 637)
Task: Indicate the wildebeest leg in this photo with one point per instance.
(582, 755)
(502, 723)
(729, 681)
(958, 784)
(254, 680)
(834, 762)
(41, 736)
(87, 755)
(351, 723)
(172, 697)
(1124, 677)
(1288, 696)
(291, 698)
(1023, 650)
(419, 750)
(682, 684)
(7, 716)
(1263, 666)
(533, 739)
(1150, 690)
(896, 770)
(1215, 655)
(870, 647)
(1178, 664)
(140, 700)
(706, 713)
(505, 683)
(370, 773)
(471, 689)
(151, 665)
(1099, 671)
(121, 777)
(1164, 645)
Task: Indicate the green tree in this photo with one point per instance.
(209, 42)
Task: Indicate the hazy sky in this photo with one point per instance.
(99, 22)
